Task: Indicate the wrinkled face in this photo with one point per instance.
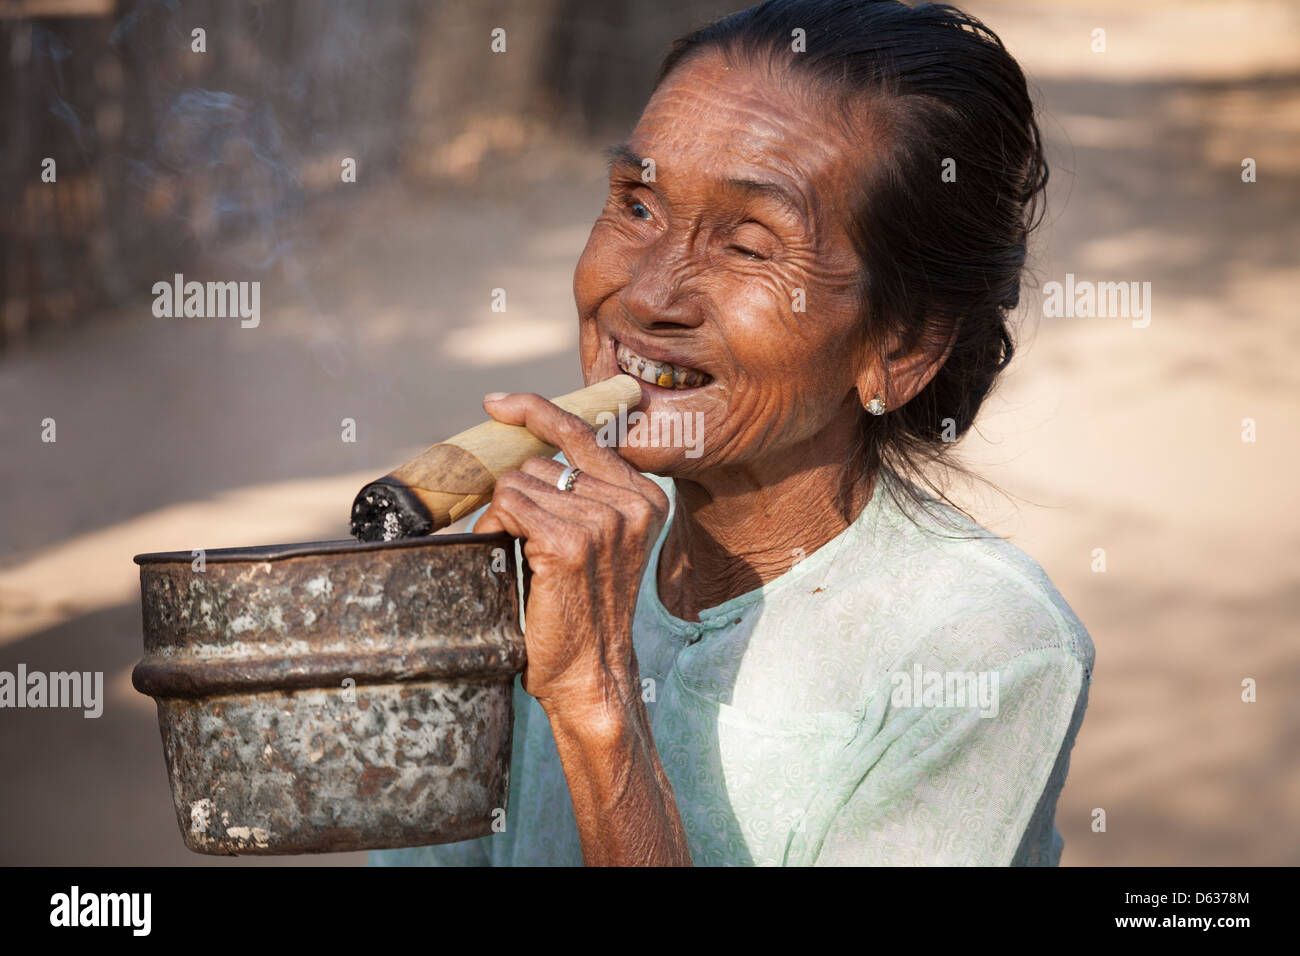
(723, 275)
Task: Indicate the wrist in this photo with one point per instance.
(598, 721)
(595, 694)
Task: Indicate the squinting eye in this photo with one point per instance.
(635, 206)
(748, 253)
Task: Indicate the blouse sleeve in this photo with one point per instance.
(466, 853)
(949, 785)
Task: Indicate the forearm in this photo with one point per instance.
(622, 800)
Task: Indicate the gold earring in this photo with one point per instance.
(876, 406)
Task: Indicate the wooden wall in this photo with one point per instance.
(162, 152)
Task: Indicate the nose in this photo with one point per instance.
(658, 295)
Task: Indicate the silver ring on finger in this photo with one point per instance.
(567, 478)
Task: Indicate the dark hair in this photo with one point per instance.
(939, 258)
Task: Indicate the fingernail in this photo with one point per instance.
(494, 396)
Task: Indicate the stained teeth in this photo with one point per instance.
(663, 374)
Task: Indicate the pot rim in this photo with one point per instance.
(275, 552)
(201, 678)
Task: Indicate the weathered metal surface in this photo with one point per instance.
(334, 695)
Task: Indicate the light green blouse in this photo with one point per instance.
(900, 696)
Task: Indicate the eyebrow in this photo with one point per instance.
(621, 154)
(773, 191)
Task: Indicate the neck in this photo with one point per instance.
(739, 528)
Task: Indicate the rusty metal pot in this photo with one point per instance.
(334, 695)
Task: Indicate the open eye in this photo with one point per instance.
(639, 210)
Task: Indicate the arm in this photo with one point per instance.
(587, 549)
(622, 800)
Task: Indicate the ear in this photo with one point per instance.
(901, 377)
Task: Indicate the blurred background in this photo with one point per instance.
(478, 170)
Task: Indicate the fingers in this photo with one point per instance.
(641, 509)
(515, 511)
(555, 525)
(565, 431)
(585, 484)
(575, 509)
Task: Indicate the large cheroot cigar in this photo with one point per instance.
(453, 478)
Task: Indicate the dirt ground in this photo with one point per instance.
(196, 433)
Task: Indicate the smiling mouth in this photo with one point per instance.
(663, 374)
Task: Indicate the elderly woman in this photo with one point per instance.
(779, 649)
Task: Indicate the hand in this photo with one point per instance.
(587, 550)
